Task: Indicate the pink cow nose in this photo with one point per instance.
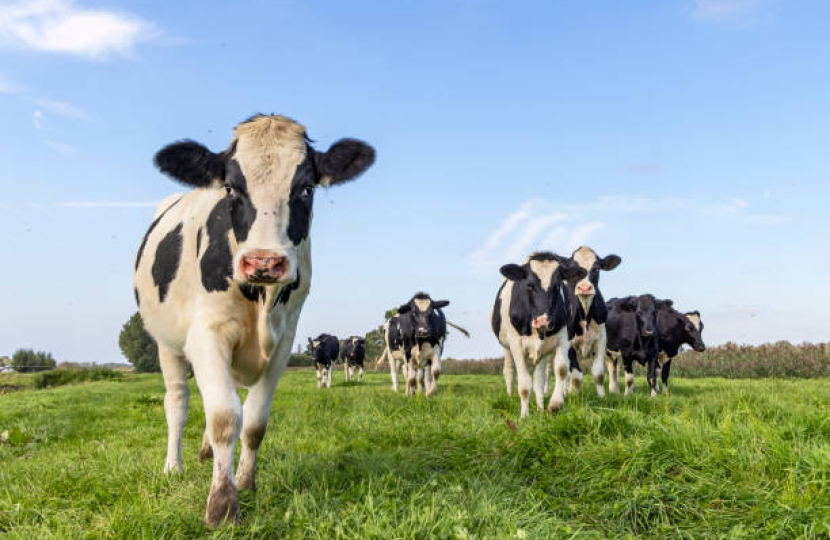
(262, 265)
(584, 288)
(541, 322)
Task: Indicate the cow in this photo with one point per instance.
(633, 335)
(393, 349)
(221, 277)
(530, 320)
(324, 350)
(588, 314)
(353, 352)
(676, 329)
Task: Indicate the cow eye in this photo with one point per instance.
(230, 190)
(307, 192)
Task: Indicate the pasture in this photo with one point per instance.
(715, 459)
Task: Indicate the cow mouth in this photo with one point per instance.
(699, 348)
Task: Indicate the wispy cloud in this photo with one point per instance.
(64, 110)
(106, 204)
(540, 224)
(730, 11)
(59, 147)
(37, 120)
(61, 26)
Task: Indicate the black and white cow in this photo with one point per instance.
(676, 329)
(633, 335)
(588, 314)
(353, 352)
(530, 321)
(221, 277)
(393, 349)
(324, 350)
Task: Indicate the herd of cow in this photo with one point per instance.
(223, 272)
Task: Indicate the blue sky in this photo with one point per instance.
(690, 137)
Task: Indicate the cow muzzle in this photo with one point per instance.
(422, 332)
(699, 347)
(265, 267)
(585, 289)
(542, 322)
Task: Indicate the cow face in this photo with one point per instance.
(312, 345)
(647, 316)
(422, 312)
(267, 178)
(537, 285)
(588, 287)
(694, 330)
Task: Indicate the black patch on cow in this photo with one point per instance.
(166, 264)
(190, 163)
(243, 211)
(301, 200)
(345, 160)
(198, 241)
(137, 300)
(150, 230)
(495, 320)
(285, 293)
(216, 264)
(252, 292)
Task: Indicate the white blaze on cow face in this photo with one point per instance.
(271, 155)
(545, 271)
(422, 304)
(695, 319)
(585, 257)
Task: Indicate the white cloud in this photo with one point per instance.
(61, 148)
(62, 109)
(106, 204)
(37, 120)
(63, 27)
(729, 11)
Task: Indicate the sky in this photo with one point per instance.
(690, 137)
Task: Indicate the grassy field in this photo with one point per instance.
(715, 459)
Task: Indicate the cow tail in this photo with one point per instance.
(462, 330)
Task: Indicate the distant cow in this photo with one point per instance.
(353, 352)
(393, 349)
(633, 335)
(676, 329)
(324, 351)
(221, 277)
(588, 314)
(530, 321)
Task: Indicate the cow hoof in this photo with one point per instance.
(222, 505)
(555, 407)
(600, 391)
(205, 453)
(653, 392)
(246, 482)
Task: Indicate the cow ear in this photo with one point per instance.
(438, 304)
(629, 303)
(190, 163)
(406, 308)
(513, 272)
(610, 262)
(345, 160)
(665, 304)
(572, 271)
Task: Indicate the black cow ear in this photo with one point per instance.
(610, 262)
(665, 304)
(345, 160)
(513, 272)
(572, 271)
(190, 163)
(406, 308)
(629, 303)
(438, 304)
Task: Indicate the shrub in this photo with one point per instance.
(60, 377)
(138, 347)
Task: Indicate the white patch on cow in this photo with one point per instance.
(695, 320)
(544, 270)
(585, 257)
(422, 304)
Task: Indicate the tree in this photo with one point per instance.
(28, 361)
(138, 347)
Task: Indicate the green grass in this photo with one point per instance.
(715, 459)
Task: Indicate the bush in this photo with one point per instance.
(300, 360)
(733, 361)
(29, 361)
(60, 377)
(138, 347)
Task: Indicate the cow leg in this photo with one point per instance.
(598, 367)
(659, 372)
(574, 374)
(328, 376)
(411, 376)
(629, 376)
(205, 451)
(560, 369)
(435, 374)
(548, 371)
(525, 381)
(223, 413)
(360, 374)
(319, 378)
(393, 370)
(652, 375)
(346, 370)
(540, 381)
(509, 369)
(664, 374)
(176, 398)
(419, 377)
(612, 365)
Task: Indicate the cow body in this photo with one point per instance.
(221, 277)
(419, 335)
(394, 349)
(633, 335)
(588, 315)
(324, 351)
(676, 329)
(530, 321)
(353, 353)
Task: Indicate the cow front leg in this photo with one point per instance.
(435, 374)
(411, 375)
(525, 380)
(175, 370)
(223, 415)
(629, 376)
(611, 365)
(393, 370)
(205, 450)
(598, 367)
(652, 375)
(328, 375)
(560, 370)
(319, 377)
(360, 373)
(508, 370)
(574, 373)
(346, 370)
(548, 371)
(664, 374)
(540, 381)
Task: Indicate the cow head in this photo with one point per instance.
(588, 287)
(647, 316)
(312, 345)
(694, 330)
(423, 313)
(538, 283)
(267, 178)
